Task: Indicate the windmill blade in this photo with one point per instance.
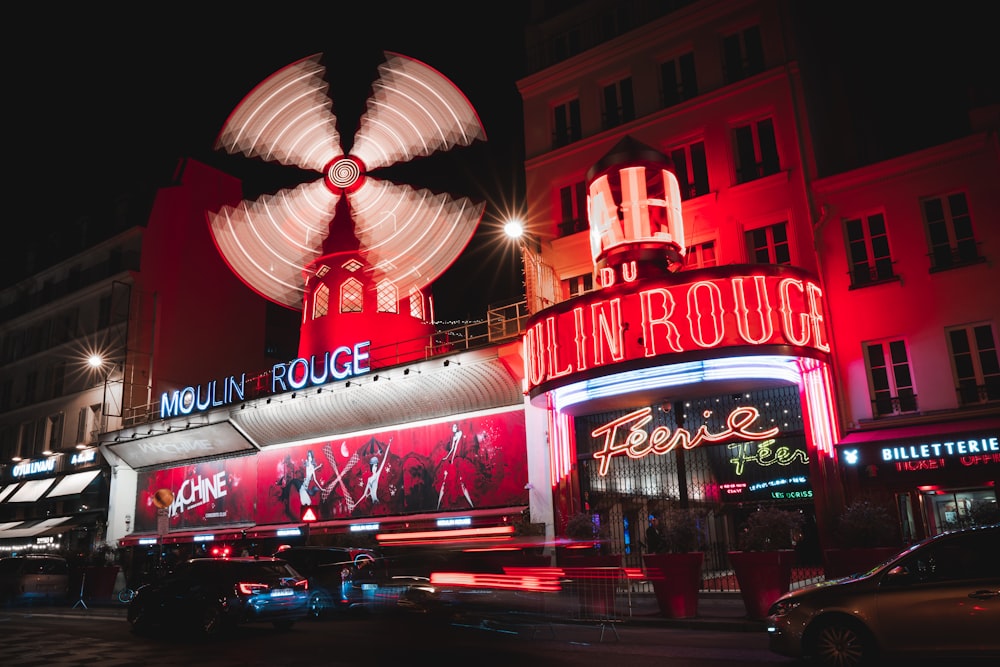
(408, 235)
(413, 111)
(287, 118)
(267, 242)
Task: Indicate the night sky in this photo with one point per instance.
(102, 103)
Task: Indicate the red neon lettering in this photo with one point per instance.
(607, 331)
(697, 315)
(655, 316)
(625, 435)
(762, 311)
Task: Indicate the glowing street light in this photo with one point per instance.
(97, 361)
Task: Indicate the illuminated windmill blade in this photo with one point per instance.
(413, 111)
(410, 235)
(287, 118)
(267, 242)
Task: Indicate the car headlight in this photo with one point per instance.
(782, 607)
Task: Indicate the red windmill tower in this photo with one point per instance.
(354, 252)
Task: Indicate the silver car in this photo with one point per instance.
(937, 599)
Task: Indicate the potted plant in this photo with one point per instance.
(765, 556)
(867, 534)
(675, 571)
(594, 573)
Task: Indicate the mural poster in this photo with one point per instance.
(206, 495)
(465, 463)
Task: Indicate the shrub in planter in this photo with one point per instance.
(866, 524)
(763, 565)
(676, 573)
(867, 534)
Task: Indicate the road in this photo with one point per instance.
(39, 638)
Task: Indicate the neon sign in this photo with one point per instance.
(764, 456)
(35, 467)
(659, 316)
(938, 449)
(339, 364)
(626, 435)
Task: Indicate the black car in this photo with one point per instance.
(939, 599)
(210, 595)
(341, 579)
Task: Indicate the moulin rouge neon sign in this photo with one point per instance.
(779, 306)
(626, 436)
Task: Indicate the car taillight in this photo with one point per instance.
(252, 588)
(304, 584)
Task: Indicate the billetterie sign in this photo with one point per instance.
(643, 319)
(339, 364)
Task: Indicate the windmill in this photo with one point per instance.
(354, 252)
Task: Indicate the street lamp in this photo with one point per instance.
(96, 361)
(539, 278)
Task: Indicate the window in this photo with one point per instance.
(32, 438)
(416, 304)
(55, 432)
(769, 245)
(30, 386)
(387, 297)
(567, 124)
(351, 296)
(868, 250)
(619, 104)
(677, 80)
(321, 301)
(86, 427)
(743, 54)
(579, 284)
(756, 151)
(949, 232)
(573, 209)
(691, 169)
(890, 383)
(975, 363)
(700, 255)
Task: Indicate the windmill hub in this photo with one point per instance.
(344, 173)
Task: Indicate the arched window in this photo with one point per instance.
(351, 296)
(387, 297)
(321, 302)
(416, 304)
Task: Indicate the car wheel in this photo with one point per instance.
(840, 643)
(319, 605)
(211, 620)
(284, 625)
(137, 618)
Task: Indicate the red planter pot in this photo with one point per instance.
(676, 581)
(763, 576)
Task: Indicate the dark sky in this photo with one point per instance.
(107, 103)
(101, 102)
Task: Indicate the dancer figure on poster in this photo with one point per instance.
(452, 466)
(305, 497)
(371, 484)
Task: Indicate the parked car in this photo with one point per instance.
(210, 595)
(939, 599)
(33, 577)
(340, 578)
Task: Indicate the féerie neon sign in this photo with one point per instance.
(626, 436)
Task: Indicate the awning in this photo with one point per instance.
(31, 490)
(920, 433)
(6, 491)
(73, 484)
(32, 528)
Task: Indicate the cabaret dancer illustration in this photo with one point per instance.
(375, 475)
(453, 468)
(309, 480)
